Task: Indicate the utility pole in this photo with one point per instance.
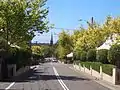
(92, 22)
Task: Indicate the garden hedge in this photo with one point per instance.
(114, 55)
(91, 55)
(107, 68)
(83, 56)
(101, 56)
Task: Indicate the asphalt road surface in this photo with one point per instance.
(51, 76)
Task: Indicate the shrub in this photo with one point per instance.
(20, 57)
(3, 48)
(77, 54)
(83, 56)
(107, 68)
(76, 62)
(94, 65)
(91, 55)
(114, 55)
(101, 56)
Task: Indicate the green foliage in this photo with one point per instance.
(77, 54)
(89, 38)
(92, 37)
(85, 39)
(94, 65)
(102, 56)
(4, 47)
(114, 54)
(108, 69)
(64, 46)
(86, 64)
(91, 55)
(45, 51)
(20, 57)
(83, 56)
(19, 19)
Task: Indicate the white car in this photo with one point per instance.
(54, 60)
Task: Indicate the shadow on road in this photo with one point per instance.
(35, 75)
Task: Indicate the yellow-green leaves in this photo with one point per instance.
(19, 19)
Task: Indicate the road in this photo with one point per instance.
(52, 76)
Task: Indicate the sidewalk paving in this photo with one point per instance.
(102, 82)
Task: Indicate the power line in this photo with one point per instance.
(63, 28)
(56, 34)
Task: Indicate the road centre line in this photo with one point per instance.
(10, 86)
(60, 80)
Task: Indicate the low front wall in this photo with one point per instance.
(87, 70)
(96, 74)
(99, 75)
(82, 69)
(107, 78)
(22, 70)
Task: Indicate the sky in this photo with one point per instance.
(67, 13)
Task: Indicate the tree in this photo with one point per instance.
(101, 56)
(19, 19)
(114, 55)
(45, 51)
(65, 45)
(91, 55)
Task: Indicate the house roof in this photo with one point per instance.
(108, 43)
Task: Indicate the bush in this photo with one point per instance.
(77, 54)
(3, 48)
(114, 55)
(76, 62)
(94, 65)
(87, 65)
(20, 57)
(107, 68)
(91, 55)
(101, 56)
(83, 56)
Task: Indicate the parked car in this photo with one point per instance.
(54, 60)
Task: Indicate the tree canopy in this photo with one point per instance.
(65, 44)
(85, 39)
(20, 19)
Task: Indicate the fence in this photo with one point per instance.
(115, 78)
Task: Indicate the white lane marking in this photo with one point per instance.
(60, 80)
(10, 86)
